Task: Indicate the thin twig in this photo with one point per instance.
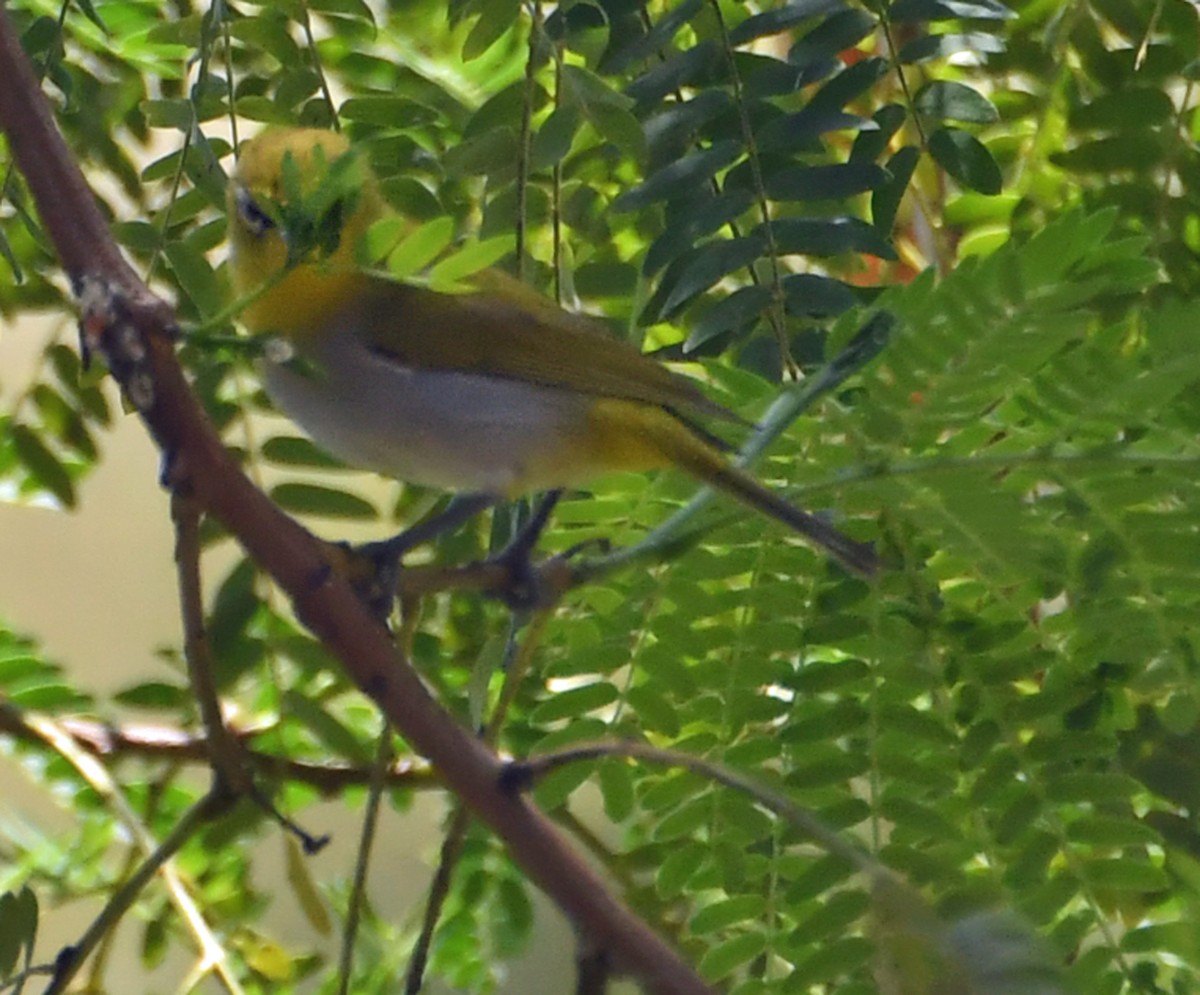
(223, 749)
(168, 743)
(524, 138)
(366, 841)
(439, 888)
(311, 41)
(524, 774)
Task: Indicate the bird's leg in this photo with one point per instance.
(458, 512)
(516, 556)
(379, 588)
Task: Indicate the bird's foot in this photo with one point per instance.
(524, 590)
(532, 586)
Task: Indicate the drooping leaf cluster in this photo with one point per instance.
(1007, 719)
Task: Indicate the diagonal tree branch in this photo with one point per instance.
(131, 328)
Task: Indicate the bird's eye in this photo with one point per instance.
(255, 218)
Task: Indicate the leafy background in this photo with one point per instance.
(1008, 718)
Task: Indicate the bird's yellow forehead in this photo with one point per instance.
(260, 162)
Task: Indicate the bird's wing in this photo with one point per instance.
(521, 337)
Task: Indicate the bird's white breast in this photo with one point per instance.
(444, 429)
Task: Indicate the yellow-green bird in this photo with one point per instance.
(496, 391)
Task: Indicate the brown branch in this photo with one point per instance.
(130, 326)
(173, 745)
(225, 753)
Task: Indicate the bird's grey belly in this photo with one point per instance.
(450, 430)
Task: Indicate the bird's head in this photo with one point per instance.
(299, 204)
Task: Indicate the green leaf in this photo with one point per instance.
(675, 73)
(944, 10)
(328, 730)
(386, 111)
(411, 198)
(314, 499)
(49, 696)
(420, 247)
(63, 422)
(196, 277)
(471, 258)
(871, 143)
(709, 264)
(493, 151)
(12, 935)
(176, 113)
(290, 450)
(487, 664)
(26, 913)
(1093, 788)
(154, 695)
(965, 158)
(679, 178)
(685, 821)
(724, 958)
(829, 237)
(945, 100)
(1125, 874)
(730, 314)
(847, 86)
(42, 465)
(7, 254)
(654, 710)
(505, 109)
(834, 182)
(695, 223)
(303, 888)
(616, 782)
(945, 46)
(1133, 109)
(574, 702)
(620, 127)
(676, 127)
(1106, 830)
(553, 139)
(655, 40)
(1132, 150)
(816, 296)
(583, 89)
(885, 201)
(832, 36)
(20, 666)
(355, 10)
(496, 18)
(781, 19)
(679, 866)
(728, 912)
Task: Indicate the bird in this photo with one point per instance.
(493, 392)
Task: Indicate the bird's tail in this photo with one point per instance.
(857, 557)
(694, 455)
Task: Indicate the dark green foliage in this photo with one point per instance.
(1008, 719)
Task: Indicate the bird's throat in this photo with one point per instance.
(305, 301)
